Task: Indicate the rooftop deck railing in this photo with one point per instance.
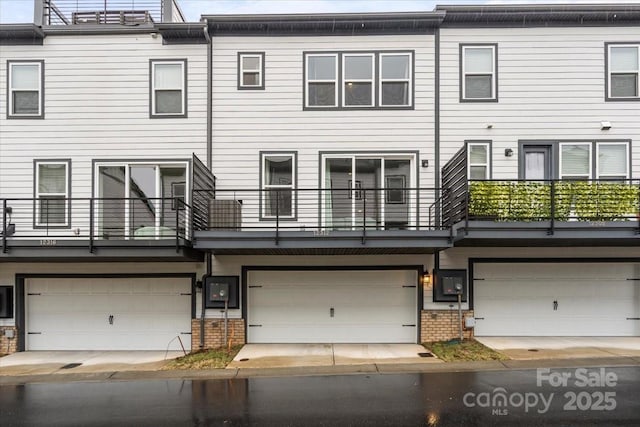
(44, 221)
(123, 12)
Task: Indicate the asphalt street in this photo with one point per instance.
(557, 397)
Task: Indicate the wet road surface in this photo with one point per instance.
(559, 397)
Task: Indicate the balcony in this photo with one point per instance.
(97, 229)
(322, 221)
(101, 12)
(545, 212)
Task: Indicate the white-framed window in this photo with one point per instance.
(623, 71)
(278, 184)
(395, 80)
(321, 80)
(168, 88)
(26, 94)
(358, 73)
(251, 70)
(52, 193)
(612, 160)
(478, 163)
(575, 160)
(478, 72)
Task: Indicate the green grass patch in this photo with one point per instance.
(465, 351)
(204, 359)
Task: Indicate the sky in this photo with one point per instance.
(21, 11)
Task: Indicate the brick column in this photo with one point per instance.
(8, 345)
(442, 325)
(214, 333)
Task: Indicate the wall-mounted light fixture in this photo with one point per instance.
(508, 152)
(425, 163)
(426, 279)
(605, 125)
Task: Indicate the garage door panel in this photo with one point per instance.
(368, 306)
(593, 299)
(73, 313)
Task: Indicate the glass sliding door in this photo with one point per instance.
(367, 190)
(140, 200)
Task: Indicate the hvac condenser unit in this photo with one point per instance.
(225, 215)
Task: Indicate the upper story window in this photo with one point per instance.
(251, 70)
(478, 160)
(26, 92)
(358, 80)
(168, 88)
(52, 193)
(321, 80)
(478, 72)
(278, 182)
(611, 160)
(623, 79)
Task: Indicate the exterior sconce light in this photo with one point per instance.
(426, 279)
(605, 125)
(508, 152)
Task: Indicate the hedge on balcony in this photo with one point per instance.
(531, 201)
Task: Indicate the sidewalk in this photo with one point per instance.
(373, 368)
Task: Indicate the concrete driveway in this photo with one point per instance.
(528, 348)
(62, 362)
(290, 355)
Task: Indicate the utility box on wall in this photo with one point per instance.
(448, 284)
(218, 289)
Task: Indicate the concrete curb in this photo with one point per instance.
(376, 369)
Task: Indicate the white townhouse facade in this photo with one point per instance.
(345, 175)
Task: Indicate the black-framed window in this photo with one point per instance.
(278, 185)
(25, 89)
(251, 70)
(168, 87)
(52, 189)
(354, 80)
(479, 72)
(623, 71)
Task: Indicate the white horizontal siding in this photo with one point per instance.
(97, 107)
(248, 121)
(550, 86)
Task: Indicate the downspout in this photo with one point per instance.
(436, 124)
(209, 133)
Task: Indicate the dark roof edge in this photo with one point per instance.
(541, 8)
(21, 34)
(326, 17)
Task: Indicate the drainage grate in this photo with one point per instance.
(71, 365)
(244, 359)
(425, 354)
(533, 349)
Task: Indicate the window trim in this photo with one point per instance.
(463, 73)
(627, 165)
(409, 80)
(36, 193)
(294, 185)
(152, 90)
(607, 72)
(371, 81)
(488, 163)
(241, 71)
(9, 103)
(339, 82)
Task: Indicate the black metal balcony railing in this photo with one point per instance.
(323, 210)
(122, 12)
(548, 200)
(47, 219)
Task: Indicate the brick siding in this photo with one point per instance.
(441, 325)
(214, 333)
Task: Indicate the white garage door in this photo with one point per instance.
(108, 314)
(332, 306)
(557, 299)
